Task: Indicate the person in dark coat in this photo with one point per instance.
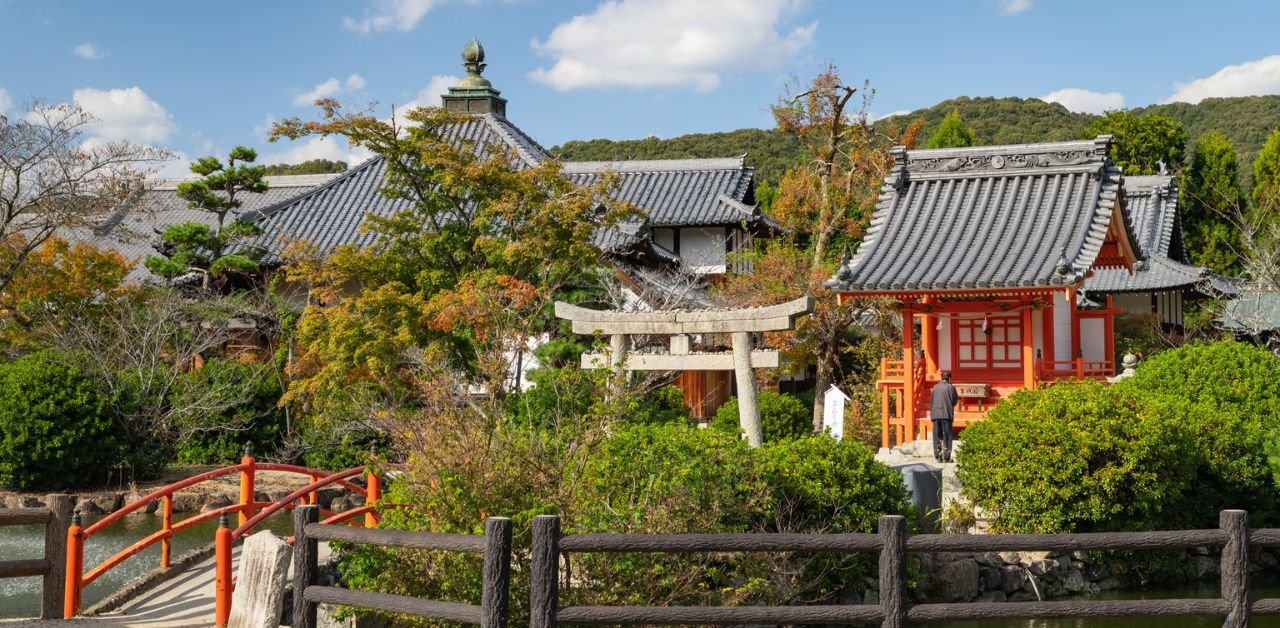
(942, 404)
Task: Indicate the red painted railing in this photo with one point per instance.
(250, 514)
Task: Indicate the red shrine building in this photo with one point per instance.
(985, 249)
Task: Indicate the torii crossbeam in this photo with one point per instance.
(679, 325)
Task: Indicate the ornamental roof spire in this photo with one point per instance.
(474, 93)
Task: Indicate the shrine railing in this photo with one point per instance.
(1078, 368)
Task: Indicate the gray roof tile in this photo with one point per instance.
(136, 233)
(679, 192)
(1031, 215)
(1152, 204)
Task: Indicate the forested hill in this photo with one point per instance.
(1246, 121)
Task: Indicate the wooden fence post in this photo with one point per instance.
(304, 565)
(75, 568)
(544, 572)
(495, 596)
(55, 552)
(893, 572)
(1235, 567)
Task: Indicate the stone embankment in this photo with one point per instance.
(225, 491)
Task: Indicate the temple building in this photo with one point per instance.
(1162, 281)
(985, 250)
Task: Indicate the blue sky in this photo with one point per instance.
(200, 78)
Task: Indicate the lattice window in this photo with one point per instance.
(995, 343)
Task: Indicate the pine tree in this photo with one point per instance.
(952, 133)
(1212, 198)
(196, 247)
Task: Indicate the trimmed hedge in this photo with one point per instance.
(782, 417)
(56, 429)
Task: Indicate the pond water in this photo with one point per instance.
(20, 597)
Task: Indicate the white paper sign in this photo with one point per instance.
(833, 412)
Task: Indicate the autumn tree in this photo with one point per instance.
(459, 280)
(952, 133)
(824, 205)
(1211, 194)
(1144, 144)
(52, 177)
(210, 251)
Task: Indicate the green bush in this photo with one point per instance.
(1234, 392)
(782, 417)
(56, 430)
(257, 420)
(1080, 457)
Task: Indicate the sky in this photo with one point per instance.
(201, 78)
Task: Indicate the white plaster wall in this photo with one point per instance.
(703, 249)
(944, 346)
(1093, 340)
(1037, 332)
(1061, 327)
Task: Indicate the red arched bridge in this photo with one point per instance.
(248, 512)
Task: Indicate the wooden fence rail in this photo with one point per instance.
(494, 546)
(56, 519)
(892, 543)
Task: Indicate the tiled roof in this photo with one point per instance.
(679, 192)
(1152, 204)
(135, 233)
(991, 217)
(1149, 275)
(331, 215)
(1255, 311)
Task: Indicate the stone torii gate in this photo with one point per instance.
(679, 325)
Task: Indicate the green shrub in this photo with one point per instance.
(56, 431)
(1234, 392)
(782, 416)
(221, 435)
(1080, 457)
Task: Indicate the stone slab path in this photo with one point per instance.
(185, 600)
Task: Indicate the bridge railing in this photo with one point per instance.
(892, 543)
(249, 512)
(494, 546)
(56, 517)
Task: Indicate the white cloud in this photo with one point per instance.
(125, 114)
(428, 96)
(900, 112)
(88, 51)
(329, 89)
(5, 101)
(1014, 7)
(669, 43)
(1084, 101)
(382, 15)
(1251, 78)
(330, 148)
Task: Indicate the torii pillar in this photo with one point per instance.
(679, 324)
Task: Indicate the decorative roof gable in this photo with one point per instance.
(993, 217)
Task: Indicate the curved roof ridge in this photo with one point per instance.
(517, 138)
(269, 210)
(655, 165)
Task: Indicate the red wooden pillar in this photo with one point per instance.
(1075, 333)
(929, 341)
(1028, 349)
(1049, 349)
(909, 368)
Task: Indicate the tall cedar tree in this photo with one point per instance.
(1212, 196)
(952, 133)
(195, 247)
(824, 205)
(460, 278)
(1142, 142)
(1266, 180)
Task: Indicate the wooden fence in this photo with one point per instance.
(892, 543)
(495, 546)
(56, 518)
